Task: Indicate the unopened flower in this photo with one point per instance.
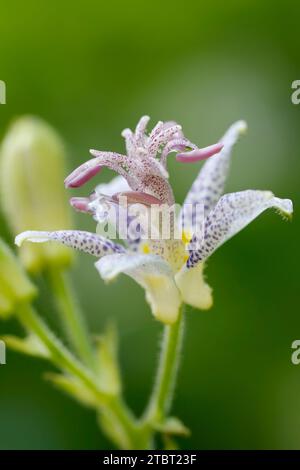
(169, 273)
(32, 195)
(15, 286)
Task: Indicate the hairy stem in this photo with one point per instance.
(71, 317)
(161, 398)
(125, 422)
(59, 354)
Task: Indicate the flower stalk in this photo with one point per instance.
(127, 434)
(161, 398)
(71, 316)
(59, 354)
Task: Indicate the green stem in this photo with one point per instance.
(116, 419)
(63, 359)
(60, 355)
(161, 398)
(71, 317)
(123, 429)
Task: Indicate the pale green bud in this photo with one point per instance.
(32, 189)
(15, 286)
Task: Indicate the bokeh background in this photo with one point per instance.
(91, 68)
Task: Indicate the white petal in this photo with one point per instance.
(209, 184)
(153, 274)
(232, 213)
(193, 288)
(83, 241)
(116, 185)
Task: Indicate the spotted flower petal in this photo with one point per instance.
(153, 274)
(160, 264)
(232, 213)
(209, 185)
(83, 241)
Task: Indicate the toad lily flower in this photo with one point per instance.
(170, 271)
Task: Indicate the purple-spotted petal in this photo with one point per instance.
(83, 241)
(209, 184)
(232, 213)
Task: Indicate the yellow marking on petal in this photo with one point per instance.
(186, 236)
(145, 248)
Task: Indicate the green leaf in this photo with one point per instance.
(6, 306)
(172, 426)
(73, 387)
(31, 345)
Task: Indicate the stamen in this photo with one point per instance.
(136, 197)
(141, 129)
(199, 154)
(166, 134)
(129, 141)
(82, 174)
(175, 145)
(81, 204)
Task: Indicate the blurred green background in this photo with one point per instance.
(92, 68)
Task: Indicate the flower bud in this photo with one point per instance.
(32, 190)
(15, 286)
